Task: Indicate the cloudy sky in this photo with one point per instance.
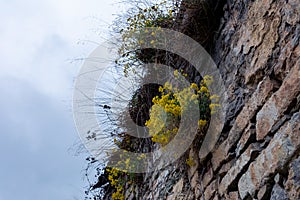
(38, 42)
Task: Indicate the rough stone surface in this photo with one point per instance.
(293, 183)
(210, 190)
(226, 167)
(232, 195)
(193, 155)
(278, 193)
(259, 97)
(236, 169)
(262, 192)
(278, 103)
(257, 51)
(208, 176)
(248, 133)
(195, 180)
(281, 148)
(177, 191)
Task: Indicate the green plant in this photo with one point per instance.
(190, 161)
(121, 179)
(166, 112)
(116, 182)
(159, 15)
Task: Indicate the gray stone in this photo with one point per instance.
(281, 148)
(278, 103)
(293, 183)
(258, 98)
(237, 168)
(248, 133)
(278, 193)
(262, 192)
(210, 190)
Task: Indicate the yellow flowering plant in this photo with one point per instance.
(121, 179)
(167, 108)
(190, 161)
(159, 15)
(115, 181)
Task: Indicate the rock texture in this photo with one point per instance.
(257, 156)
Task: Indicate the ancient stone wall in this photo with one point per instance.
(258, 154)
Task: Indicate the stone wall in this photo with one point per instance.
(258, 154)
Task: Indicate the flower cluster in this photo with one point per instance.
(190, 161)
(121, 179)
(166, 112)
(159, 15)
(115, 181)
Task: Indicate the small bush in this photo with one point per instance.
(166, 112)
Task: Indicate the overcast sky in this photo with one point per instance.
(38, 41)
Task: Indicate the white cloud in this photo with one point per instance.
(38, 37)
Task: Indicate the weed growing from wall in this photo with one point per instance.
(166, 111)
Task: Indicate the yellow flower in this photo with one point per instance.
(207, 80)
(213, 107)
(127, 162)
(167, 108)
(160, 89)
(194, 97)
(204, 89)
(214, 97)
(157, 120)
(168, 86)
(190, 162)
(194, 86)
(176, 73)
(202, 123)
